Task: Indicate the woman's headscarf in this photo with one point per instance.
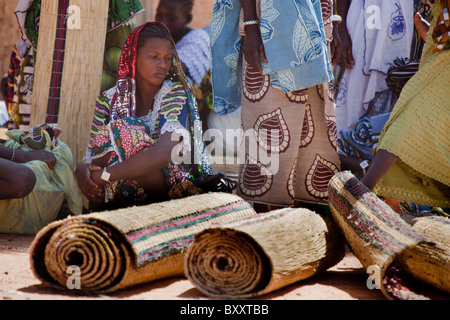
(123, 103)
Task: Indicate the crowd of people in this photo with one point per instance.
(314, 87)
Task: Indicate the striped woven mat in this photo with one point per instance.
(395, 251)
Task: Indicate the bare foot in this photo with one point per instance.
(422, 26)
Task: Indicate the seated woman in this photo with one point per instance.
(412, 162)
(142, 127)
(36, 179)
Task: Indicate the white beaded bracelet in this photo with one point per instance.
(336, 18)
(250, 22)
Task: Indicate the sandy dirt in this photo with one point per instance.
(344, 281)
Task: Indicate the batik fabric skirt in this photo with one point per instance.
(289, 148)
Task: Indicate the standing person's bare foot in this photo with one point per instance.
(422, 26)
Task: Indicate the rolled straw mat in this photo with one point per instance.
(403, 249)
(69, 66)
(120, 248)
(260, 254)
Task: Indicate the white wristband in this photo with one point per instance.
(105, 175)
(364, 164)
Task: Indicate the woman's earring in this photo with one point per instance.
(171, 75)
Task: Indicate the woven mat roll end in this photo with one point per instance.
(213, 247)
(260, 254)
(37, 255)
(378, 236)
(79, 253)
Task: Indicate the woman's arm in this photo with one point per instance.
(20, 156)
(145, 166)
(253, 46)
(421, 25)
(335, 45)
(346, 56)
(84, 170)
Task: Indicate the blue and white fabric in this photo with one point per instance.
(294, 41)
(381, 31)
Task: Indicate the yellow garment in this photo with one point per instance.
(418, 133)
(29, 214)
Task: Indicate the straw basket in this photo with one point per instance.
(383, 241)
(121, 248)
(256, 255)
(68, 70)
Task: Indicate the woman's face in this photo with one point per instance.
(172, 14)
(154, 60)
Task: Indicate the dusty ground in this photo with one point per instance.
(345, 281)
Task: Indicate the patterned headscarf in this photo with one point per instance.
(123, 104)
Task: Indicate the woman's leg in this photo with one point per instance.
(380, 165)
(16, 180)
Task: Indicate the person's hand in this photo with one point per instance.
(40, 155)
(88, 187)
(335, 45)
(254, 48)
(422, 26)
(96, 178)
(346, 56)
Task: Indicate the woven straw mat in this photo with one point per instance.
(402, 249)
(125, 247)
(260, 254)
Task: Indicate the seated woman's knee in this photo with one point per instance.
(25, 182)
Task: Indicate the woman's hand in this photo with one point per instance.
(83, 173)
(96, 178)
(346, 56)
(335, 45)
(422, 26)
(40, 155)
(254, 48)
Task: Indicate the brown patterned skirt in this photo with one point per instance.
(289, 150)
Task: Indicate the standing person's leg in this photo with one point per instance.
(271, 125)
(16, 180)
(318, 159)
